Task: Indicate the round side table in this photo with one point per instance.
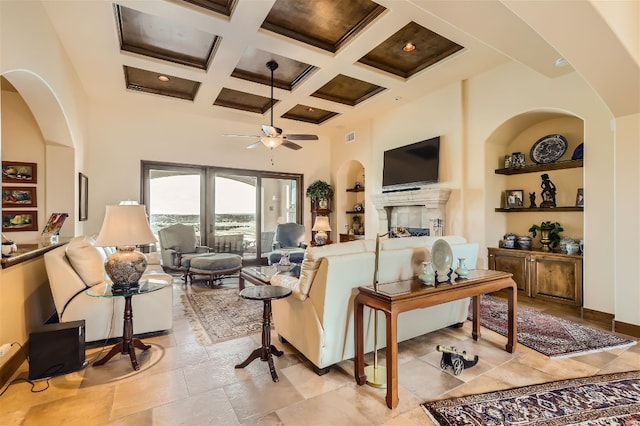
(129, 342)
(266, 293)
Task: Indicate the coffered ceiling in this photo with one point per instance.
(338, 61)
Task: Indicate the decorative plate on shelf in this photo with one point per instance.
(441, 257)
(548, 149)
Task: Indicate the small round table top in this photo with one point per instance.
(265, 292)
(144, 286)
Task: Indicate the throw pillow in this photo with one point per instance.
(85, 259)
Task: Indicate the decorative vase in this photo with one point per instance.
(428, 275)
(545, 240)
(462, 270)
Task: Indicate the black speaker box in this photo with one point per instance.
(56, 349)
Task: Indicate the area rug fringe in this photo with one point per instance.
(551, 336)
(608, 399)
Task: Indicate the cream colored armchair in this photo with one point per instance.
(178, 245)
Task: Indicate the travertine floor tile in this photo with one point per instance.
(185, 381)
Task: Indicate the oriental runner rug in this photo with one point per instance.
(547, 334)
(217, 315)
(610, 399)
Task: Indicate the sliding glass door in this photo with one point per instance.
(232, 210)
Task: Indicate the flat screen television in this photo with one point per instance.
(410, 166)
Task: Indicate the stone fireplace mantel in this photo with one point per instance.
(422, 208)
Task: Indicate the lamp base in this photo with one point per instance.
(321, 238)
(376, 376)
(125, 266)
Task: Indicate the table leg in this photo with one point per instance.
(241, 282)
(128, 343)
(512, 337)
(475, 309)
(392, 360)
(266, 351)
(358, 312)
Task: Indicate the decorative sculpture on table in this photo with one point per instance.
(532, 199)
(548, 192)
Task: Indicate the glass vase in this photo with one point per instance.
(462, 270)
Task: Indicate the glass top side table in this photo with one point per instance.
(129, 342)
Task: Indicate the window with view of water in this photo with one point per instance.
(231, 210)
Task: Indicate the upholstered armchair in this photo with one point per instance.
(178, 245)
(290, 237)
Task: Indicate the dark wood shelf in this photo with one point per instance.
(541, 209)
(354, 212)
(361, 189)
(569, 164)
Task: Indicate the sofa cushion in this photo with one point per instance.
(409, 242)
(86, 261)
(314, 255)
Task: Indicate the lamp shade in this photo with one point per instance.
(321, 224)
(125, 225)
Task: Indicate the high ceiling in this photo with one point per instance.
(338, 61)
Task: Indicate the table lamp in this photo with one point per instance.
(321, 227)
(124, 227)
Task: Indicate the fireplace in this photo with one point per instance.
(421, 211)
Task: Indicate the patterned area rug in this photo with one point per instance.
(610, 399)
(221, 314)
(549, 335)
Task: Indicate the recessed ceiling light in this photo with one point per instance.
(163, 78)
(310, 109)
(561, 62)
(409, 47)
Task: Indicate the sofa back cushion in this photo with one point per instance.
(408, 242)
(313, 256)
(86, 260)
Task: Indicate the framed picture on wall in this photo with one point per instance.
(19, 196)
(17, 172)
(19, 220)
(580, 197)
(83, 185)
(514, 198)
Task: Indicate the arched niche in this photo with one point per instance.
(518, 134)
(57, 184)
(349, 172)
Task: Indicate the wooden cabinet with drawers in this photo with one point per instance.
(554, 276)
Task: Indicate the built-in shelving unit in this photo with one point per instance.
(540, 209)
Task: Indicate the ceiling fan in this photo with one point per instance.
(272, 136)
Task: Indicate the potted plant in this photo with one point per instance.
(320, 192)
(549, 234)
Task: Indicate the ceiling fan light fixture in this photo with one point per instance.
(270, 142)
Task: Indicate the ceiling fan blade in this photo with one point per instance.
(295, 137)
(271, 131)
(291, 145)
(254, 145)
(242, 136)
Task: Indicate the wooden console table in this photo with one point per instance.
(402, 296)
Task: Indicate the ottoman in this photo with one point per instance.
(215, 266)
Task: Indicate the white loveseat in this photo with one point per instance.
(74, 267)
(317, 319)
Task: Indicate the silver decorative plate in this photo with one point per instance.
(548, 149)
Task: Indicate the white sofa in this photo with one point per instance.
(317, 319)
(74, 267)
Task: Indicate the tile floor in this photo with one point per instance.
(184, 382)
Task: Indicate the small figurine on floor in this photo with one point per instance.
(532, 199)
(455, 359)
(548, 192)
